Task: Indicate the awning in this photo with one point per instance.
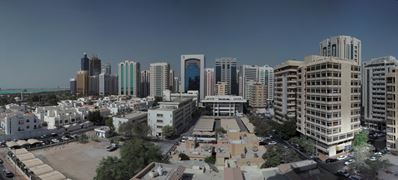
(41, 169)
(11, 144)
(22, 142)
(32, 162)
(26, 156)
(20, 151)
(33, 141)
(53, 175)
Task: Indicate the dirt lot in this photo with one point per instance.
(75, 160)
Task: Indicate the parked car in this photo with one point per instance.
(372, 158)
(355, 177)
(349, 162)
(330, 160)
(343, 173)
(8, 173)
(112, 147)
(342, 157)
(272, 143)
(54, 140)
(65, 138)
(378, 154)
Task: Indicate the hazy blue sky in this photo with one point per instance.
(41, 42)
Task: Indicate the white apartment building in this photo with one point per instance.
(392, 109)
(247, 73)
(159, 78)
(266, 77)
(225, 105)
(374, 91)
(210, 82)
(16, 122)
(59, 116)
(136, 117)
(285, 95)
(343, 47)
(177, 114)
(328, 102)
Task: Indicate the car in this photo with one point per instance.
(330, 160)
(342, 157)
(65, 138)
(349, 162)
(372, 158)
(272, 143)
(112, 147)
(8, 173)
(378, 154)
(355, 177)
(54, 140)
(343, 173)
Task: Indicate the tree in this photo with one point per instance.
(272, 158)
(287, 130)
(109, 123)
(96, 118)
(183, 157)
(221, 130)
(111, 168)
(168, 131)
(210, 160)
(131, 128)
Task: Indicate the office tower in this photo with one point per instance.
(247, 73)
(107, 81)
(343, 47)
(171, 80)
(159, 78)
(192, 73)
(145, 83)
(129, 78)
(85, 63)
(210, 82)
(221, 88)
(285, 90)
(266, 77)
(374, 91)
(93, 85)
(226, 72)
(94, 66)
(106, 68)
(257, 93)
(328, 102)
(82, 79)
(72, 85)
(391, 109)
(176, 82)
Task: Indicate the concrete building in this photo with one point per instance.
(194, 95)
(285, 90)
(85, 63)
(171, 81)
(133, 117)
(107, 81)
(94, 66)
(226, 72)
(391, 109)
(159, 78)
(247, 73)
(145, 83)
(16, 122)
(257, 95)
(374, 91)
(328, 102)
(221, 88)
(210, 82)
(266, 77)
(225, 105)
(72, 85)
(60, 116)
(192, 73)
(343, 47)
(177, 114)
(82, 85)
(93, 85)
(129, 78)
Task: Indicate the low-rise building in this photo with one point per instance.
(225, 105)
(137, 116)
(15, 122)
(59, 116)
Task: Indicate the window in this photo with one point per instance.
(159, 115)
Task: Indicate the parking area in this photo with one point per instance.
(75, 160)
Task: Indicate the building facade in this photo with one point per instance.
(391, 109)
(93, 85)
(226, 72)
(343, 47)
(285, 90)
(16, 122)
(328, 102)
(94, 66)
(129, 78)
(84, 63)
(266, 77)
(72, 85)
(145, 81)
(159, 78)
(247, 73)
(257, 95)
(82, 85)
(192, 73)
(210, 82)
(225, 105)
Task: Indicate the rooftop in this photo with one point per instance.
(160, 171)
(205, 124)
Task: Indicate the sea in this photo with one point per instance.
(29, 90)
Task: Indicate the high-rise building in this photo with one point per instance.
(285, 90)
(266, 77)
(374, 91)
(106, 68)
(192, 73)
(176, 83)
(257, 94)
(129, 78)
(226, 72)
(343, 47)
(221, 88)
(210, 82)
(107, 81)
(328, 102)
(93, 85)
(247, 73)
(85, 63)
(159, 78)
(82, 85)
(72, 85)
(145, 83)
(391, 109)
(94, 66)
(171, 81)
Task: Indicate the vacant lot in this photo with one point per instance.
(75, 160)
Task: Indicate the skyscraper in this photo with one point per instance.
(72, 85)
(94, 66)
(247, 73)
(392, 109)
(107, 81)
(129, 78)
(93, 85)
(85, 63)
(159, 78)
(343, 47)
(266, 77)
(210, 82)
(171, 80)
(82, 85)
(192, 73)
(257, 95)
(226, 72)
(145, 83)
(374, 91)
(328, 102)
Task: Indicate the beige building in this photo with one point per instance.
(328, 102)
(82, 84)
(258, 95)
(285, 95)
(221, 88)
(391, 108)
(159, 78)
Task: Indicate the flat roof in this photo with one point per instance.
(32, 162)
(41, 169)
(229, 124)
(204, 124)
(132, 115)
(170, 172)
(53, 175)
(233, 174)
(26, 156)
(20, 151)
(247, 123)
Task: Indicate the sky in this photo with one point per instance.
(42, 41)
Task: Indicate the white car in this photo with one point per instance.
(378, 154)
(372, 158)
(272, 143)
(342, 157)
(349, 162)
(55, 140)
